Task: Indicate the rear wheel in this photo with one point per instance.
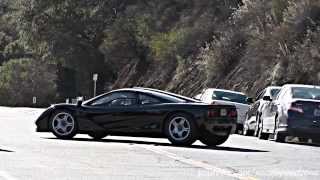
(96, 135)
(247, 131)
(213, 140)
(261, 134)
(181, 130)
(279, 136)
(63, 125)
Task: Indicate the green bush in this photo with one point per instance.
(22, 79)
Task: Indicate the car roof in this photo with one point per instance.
(274, 87)
(225, 90)
(167, 93)
(161, 94)
(300, 85)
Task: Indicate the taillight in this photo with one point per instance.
(213, 113)
(296, 108)
(233, 113)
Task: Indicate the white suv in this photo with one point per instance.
(227, 97)
(255, 110)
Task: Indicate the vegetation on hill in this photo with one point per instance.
(51, 49)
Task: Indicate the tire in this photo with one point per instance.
(247, 132)
(239, 129)
(181, 130)
(257, 129)
(63, 124)
(213, 140)
(97, 135)
(303, 139)
(261, 134)
(280, 137)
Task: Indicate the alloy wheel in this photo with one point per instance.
(63, 124)
(179, 128)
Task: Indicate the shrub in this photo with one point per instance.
(21, 79)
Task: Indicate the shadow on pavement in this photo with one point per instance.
(4, 150)
(304, 144)
(221, 148)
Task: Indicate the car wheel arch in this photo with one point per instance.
(54, 110)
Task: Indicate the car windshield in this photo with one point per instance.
(229, 96)
(306, 93)
(274, 93)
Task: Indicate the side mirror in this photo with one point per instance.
(267, 98)
(250, 100)
(79, 101)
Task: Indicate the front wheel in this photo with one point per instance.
(213, 140)
(261, 134)
(181, 130)
(257, 128)
(63, 125)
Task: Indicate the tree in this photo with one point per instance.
(70, 32)
(21, 79)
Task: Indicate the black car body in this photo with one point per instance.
(142, 112)
(294, 112)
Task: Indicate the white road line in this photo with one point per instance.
(6, 176)
(208, 167)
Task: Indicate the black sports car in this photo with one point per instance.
(141, 112)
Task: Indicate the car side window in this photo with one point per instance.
(123, 102)
(282, 94)
(116, 99)
(146, 99)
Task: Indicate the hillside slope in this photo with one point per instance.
(263, 43)
(51, 50)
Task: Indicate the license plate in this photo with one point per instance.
(316, 112)
(223, 112)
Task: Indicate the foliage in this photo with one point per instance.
(22, 79)
(242, 45)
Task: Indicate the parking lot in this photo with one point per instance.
(25, 154)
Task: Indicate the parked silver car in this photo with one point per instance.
(294, 112)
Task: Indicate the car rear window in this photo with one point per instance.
(306, 93)
(229, 96)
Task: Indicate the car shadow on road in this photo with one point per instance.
(131, 142)
(304, 144)
(4, 150)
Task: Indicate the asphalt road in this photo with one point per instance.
(25, 154)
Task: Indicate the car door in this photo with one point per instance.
(115, 112)
(151, 114)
